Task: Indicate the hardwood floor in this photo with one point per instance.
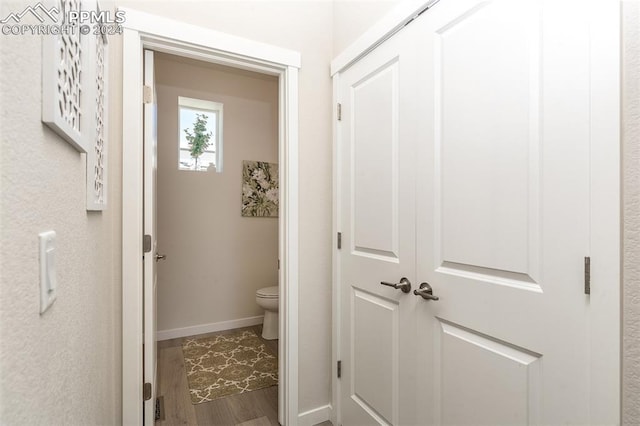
(173, 388)
(256, 408)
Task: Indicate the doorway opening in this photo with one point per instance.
(144, 31)
(217, 230)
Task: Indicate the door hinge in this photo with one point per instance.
(147, 94)
(278, 264)
(587, 275)
(339, 112)
(146, 243)
(339, 240)
(146, 391)
(339, 367)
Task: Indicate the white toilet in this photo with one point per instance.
(267, 298)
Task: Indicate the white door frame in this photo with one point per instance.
(145, 31)
(605, 206)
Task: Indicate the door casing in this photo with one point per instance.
(604, 206)
(146, 31)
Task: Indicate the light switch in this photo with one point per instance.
(48, 280)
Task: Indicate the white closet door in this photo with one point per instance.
(503, 219)
(472, 146)
(377, 217)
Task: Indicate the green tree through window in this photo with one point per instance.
(199, 139)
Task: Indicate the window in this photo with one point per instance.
(205, 151)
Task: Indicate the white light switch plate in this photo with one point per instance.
(48, 279)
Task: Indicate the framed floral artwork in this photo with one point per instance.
(259, 189)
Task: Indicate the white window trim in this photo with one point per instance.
(208, 106)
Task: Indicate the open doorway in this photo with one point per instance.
(144, 31)
(217, 230)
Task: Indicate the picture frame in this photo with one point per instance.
(260, 189)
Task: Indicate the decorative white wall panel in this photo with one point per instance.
(64, 63)
(69, 84)
(74, 93)
(97, 151)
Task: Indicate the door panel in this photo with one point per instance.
(502, 229)
(488, 142)
(378, 236)
(499, 383)
(374, 320)
(374, 163)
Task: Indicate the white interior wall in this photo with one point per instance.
(352, 18)
(216, 259)
(631, 212)
(62, 367)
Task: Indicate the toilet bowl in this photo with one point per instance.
(267, 298)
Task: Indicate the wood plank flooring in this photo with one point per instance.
(261, 421)
(256, 408)
(173, 387)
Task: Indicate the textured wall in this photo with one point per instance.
(62, 367)
(216, 259)
(631, 212)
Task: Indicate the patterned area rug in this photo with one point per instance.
(228, 364)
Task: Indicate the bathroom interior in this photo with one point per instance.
(218, 227)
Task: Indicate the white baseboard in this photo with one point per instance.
(315, 416)
(208, 328)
